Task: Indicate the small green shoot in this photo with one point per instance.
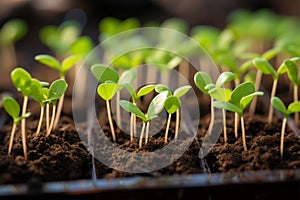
(155, 107)
(12, 107)
(286, 112)
(241, 97)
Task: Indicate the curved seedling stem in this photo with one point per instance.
(142, 135)
(11, 138)
(212, 116)
(177, 124)
(296, 115)
(52, 120)
(110, 121)
(282, 136)
(47, 116)
(59, 109)
(243, 133)
(147, 132)
(224, 125)
(40, 121)
(236, 125)
(23, 126)
(271, 109)
(167, 128)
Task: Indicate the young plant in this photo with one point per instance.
(290, 66)
(155, 107)
(55, 92)
(286, 112)
(22, 81)
(219, 93)
(240, 99)
(62, 68)
(12, 107)
(266, 68)
(135, 96)
(172, 105)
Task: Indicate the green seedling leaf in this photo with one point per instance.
(246, 100)
(224, 78)
(179, 92)
(279, 105)
(159, 88)
(130, 107)
(202, 79)
(128, 24)
(145, 90)
(227, 106)
(107, 90)
(68, 63)
(241, 91)
(49, 61)
(44, 84)
(12, 31)
(21, 80)
(264, 66)
(294, 107)
(12, 107)
(127, 77)
(172, 104)
(220, 94)
(268, 55)
(82, 46)
(157, 104)
(210, 87)
(104, 73)
(56, 90)
(36, 91)
(292, 70)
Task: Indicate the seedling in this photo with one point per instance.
(266, 68)
(135, 96)
(56, 91)
(155, 107)
(12, 107)
(292, 70)
(219, 93)
(22, 81)
(172, 105)
(62, 68)
(241, 97)
(286, 112)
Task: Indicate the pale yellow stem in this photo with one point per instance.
(110, 121)
(236, 125)
(167, 129)
(59, 109)
(270, 116)
(52, 120)
(23, 127)
(282, 136)
(118, 110)
(177, 124)
(296, 115)
(142, 135)
(212, 116)
(147, 132)
(224, 125)
(243, 133)
(47, 116)
(131, 127)
(11, 138)
(40, 121)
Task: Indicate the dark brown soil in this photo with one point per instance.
(62, 156)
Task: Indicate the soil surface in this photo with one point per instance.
(63, 156)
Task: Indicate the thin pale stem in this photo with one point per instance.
(257, 86)
(12, 134)
(270, 116)
(167, 128)
(243, 133)
(118, 110)
(282, 136)
(147, 132)
(131, 127)
(59, 109)
(212, 116)
(47, 116)
(296, 115)
(110, 121)
(23, 127)
(40, 121)
(224, 125)
(142, 135)
(236, 125)
(177, 123)
(134, 125)
(52, 120)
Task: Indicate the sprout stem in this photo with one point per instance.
(224, 125)
(147, 132)
(243, 133)
(282, 136)
(11, 138)
(47, 116)
(52, 120)
(134, 125)
(236, 125)
(59, 109)
(212, 116)
(257, 86)
(110, 121)
(167, 128)
(23, 126)
(296, 115)
(131, 127)
(142, 135)
(177, 124)
(270, 116)
(40, 121)
(118, 110)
